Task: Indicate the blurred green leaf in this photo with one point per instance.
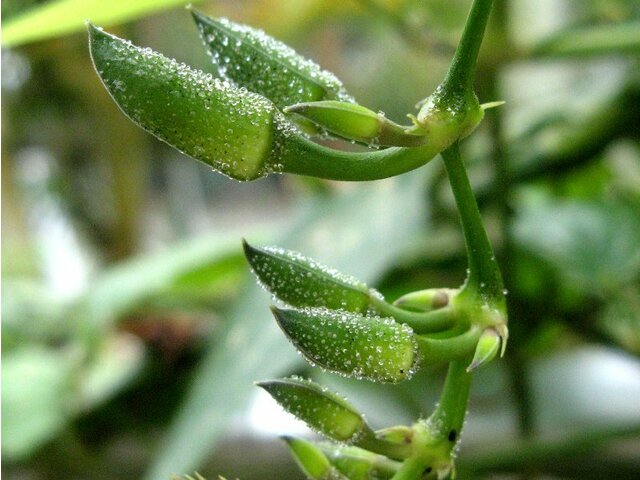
(118, 360)
(594, 40)
(61, 17)
(394, 209)
(594, 246)
(200, 264)
(36, 390)
(621, 319)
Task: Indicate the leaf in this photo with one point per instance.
(254, 60)
(36, 393)
(619, 38)
(182, 268)
(594, 246)
(378, 349)
(245, 350)
(62, 17)
(301, 282)
(324, 411)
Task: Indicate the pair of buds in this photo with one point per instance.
(255, 119)
(345, 327)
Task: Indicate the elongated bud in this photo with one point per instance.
(233, 131)
(400, 434)
(426, 300)
(355, 122)
(487, 348)
(374, 348)
(311, 460)
(252, 59)
(359, 464)
(324, 411)
(302, 282)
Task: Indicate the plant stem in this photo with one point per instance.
(448, 417)
(461, 73)
(484, 275)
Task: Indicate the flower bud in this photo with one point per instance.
(374, 348)
(487, 348)
(254, 60)
(233, 131)
(311, 460)
(301, 282)
(355, 122)
(426, 300)
(324, 411)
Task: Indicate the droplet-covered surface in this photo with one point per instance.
(229, 128)
(302, 282)
(252, 59)
(324, 411)
(378, 349)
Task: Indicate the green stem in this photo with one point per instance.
(463, 66)
(448, 417)
(484, 275)
(421, 322)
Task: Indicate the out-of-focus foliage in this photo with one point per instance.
(130, 340)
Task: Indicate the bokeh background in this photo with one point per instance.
(132, 331)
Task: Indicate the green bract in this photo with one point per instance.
(324, 411)
(374, 348)
(301, 282)
(487, 348)
(262, 64)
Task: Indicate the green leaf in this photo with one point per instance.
(594, 246)
(311, 460)
(378, 349)
(231, 130)
(36, 393)
(302, 282)
(357, 123)
(324, 411)
(254, 60)
(61, 17)
(244, 350)
(619, 38)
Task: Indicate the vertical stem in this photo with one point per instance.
(462, 70)
(452, 408)
(484, 275)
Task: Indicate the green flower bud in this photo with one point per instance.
(354, 122)
(301, 282)
(252, 59)
(232, 130)
(311, 460)
(324, 411)
(426, 300)
(374, 348)
(359, 464)
(487, 348)
(400, 434)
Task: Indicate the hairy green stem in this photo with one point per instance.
(448, 417)
(484, 275)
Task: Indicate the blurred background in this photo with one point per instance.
(132, 331)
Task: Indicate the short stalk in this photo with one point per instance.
(484, 276)
(448, 417)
